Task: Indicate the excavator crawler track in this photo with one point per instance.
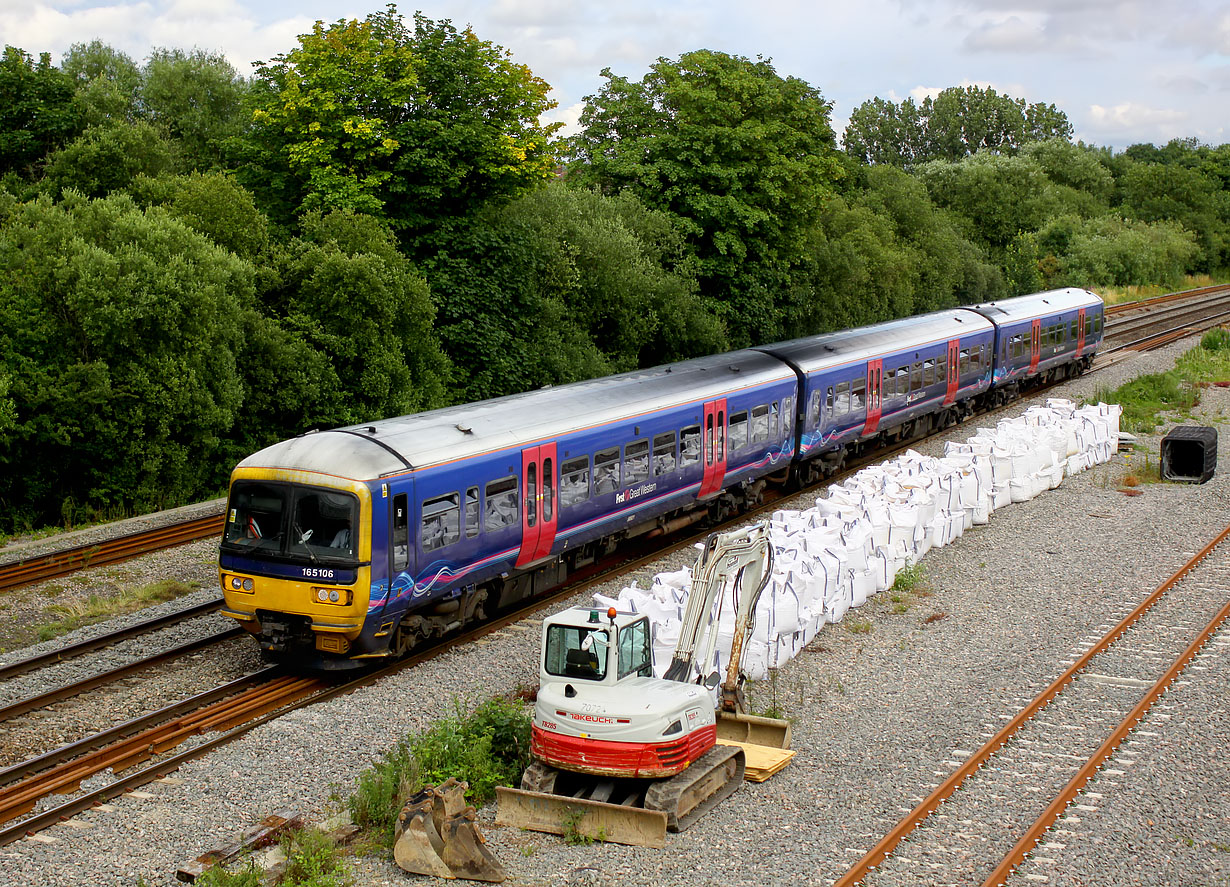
(711, 778)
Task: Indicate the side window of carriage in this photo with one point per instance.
(663, 453)
(441, 524)
(574, 481)
(472, 512)
(738, 431)
(606, 471)
(501, 509)
(689, 446)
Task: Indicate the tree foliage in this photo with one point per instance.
(418, 126)
(743, 157)
(958, 122)
(36, 110)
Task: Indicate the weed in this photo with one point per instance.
(1217, 845)
(573, 835)
(900, 608)
(529, 850)
(1190, 842)
(246, 876)
(910, 578)
(313, 860)
(486, 748)
(859, 626)
(75, 614)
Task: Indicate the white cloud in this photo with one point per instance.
(570, 117)
(1012, 34)
(1134, 122)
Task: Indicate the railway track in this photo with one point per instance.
(41, 567)
(1000, 800)
(229, 711)
(1160, 321)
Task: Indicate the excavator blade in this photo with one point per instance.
(466, 852)
(418, 847)
(753, 729)
(559, 815)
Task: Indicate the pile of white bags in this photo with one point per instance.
(853, 543)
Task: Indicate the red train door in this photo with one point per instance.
(1035, 344)
(538, 491)
(1080, 331)
(953, 380)
(713, 437)
(875, 402)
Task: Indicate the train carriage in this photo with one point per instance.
(359, 542)
(878, 383)
(1043, 336)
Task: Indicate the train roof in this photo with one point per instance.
(390, 446)
(1037, 305)
(813, 353)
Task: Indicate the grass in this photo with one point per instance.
(487, 747)
(75, 614)
(910, 585)
(858, 626)
(1149, 400)
(1113, 295)
(313, 859)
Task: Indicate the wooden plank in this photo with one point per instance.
(260, 835)
(762, 760)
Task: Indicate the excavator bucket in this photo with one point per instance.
(559, 815)
(418, 847)
(753, 729)
(466, 852)
(436, 835)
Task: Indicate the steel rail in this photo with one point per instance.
(42, 700)
(1122, 307)
(941, 793)
(41, 567)
(106, 640)
(1053, 810)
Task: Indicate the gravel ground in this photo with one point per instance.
(875, 714)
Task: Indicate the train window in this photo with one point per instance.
(1098, 325)
(548, 488)
(858, 392)
(788, 414)
(709, 439)
(814, 410)
(322, 523)
(441, 524)
(975, 357)
(964, 365)
(501, 510)
(531, 494)
(664, 453)
(760, 424)
(889, 388)
(738, 431)
(829, 403)
(1074, 330)
(606, 471)
(928, 373)
(689, 446)
(775, 428)
(941, 368)
(574, 481)
(401, 532)
(842, 405)
(636, 462)
(903, 380)
(916, 377)
(472, 512)
(256, 515)
(721, 437)
(1088, 324)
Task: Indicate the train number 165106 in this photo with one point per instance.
(317, 573)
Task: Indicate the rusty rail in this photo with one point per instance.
(39, 568)
(929, 804)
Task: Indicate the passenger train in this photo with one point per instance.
(355, 544)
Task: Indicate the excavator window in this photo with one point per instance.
(573, 653)
(634, 650)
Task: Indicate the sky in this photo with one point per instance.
(1124, 71)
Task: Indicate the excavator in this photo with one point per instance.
(620, 755)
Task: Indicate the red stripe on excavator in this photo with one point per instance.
(631, 759)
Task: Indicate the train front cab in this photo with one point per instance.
(295, 562)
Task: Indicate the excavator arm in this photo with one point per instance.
(737, 563)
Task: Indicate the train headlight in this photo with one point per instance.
(236, 583)
(340, 596)
(248, 585)
(322, 594)
(334, 596)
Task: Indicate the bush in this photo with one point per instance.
(488, 747)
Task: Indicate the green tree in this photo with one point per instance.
(742, 156)
(197, 97)
(119, 329)
(1171, 191)
(419, 126)
(350, 294)
(36, 110)
(960, 121)
(212, 203)
(109, 157)
(995, 196)
(107, 82)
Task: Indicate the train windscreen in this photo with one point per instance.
(292, 521)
